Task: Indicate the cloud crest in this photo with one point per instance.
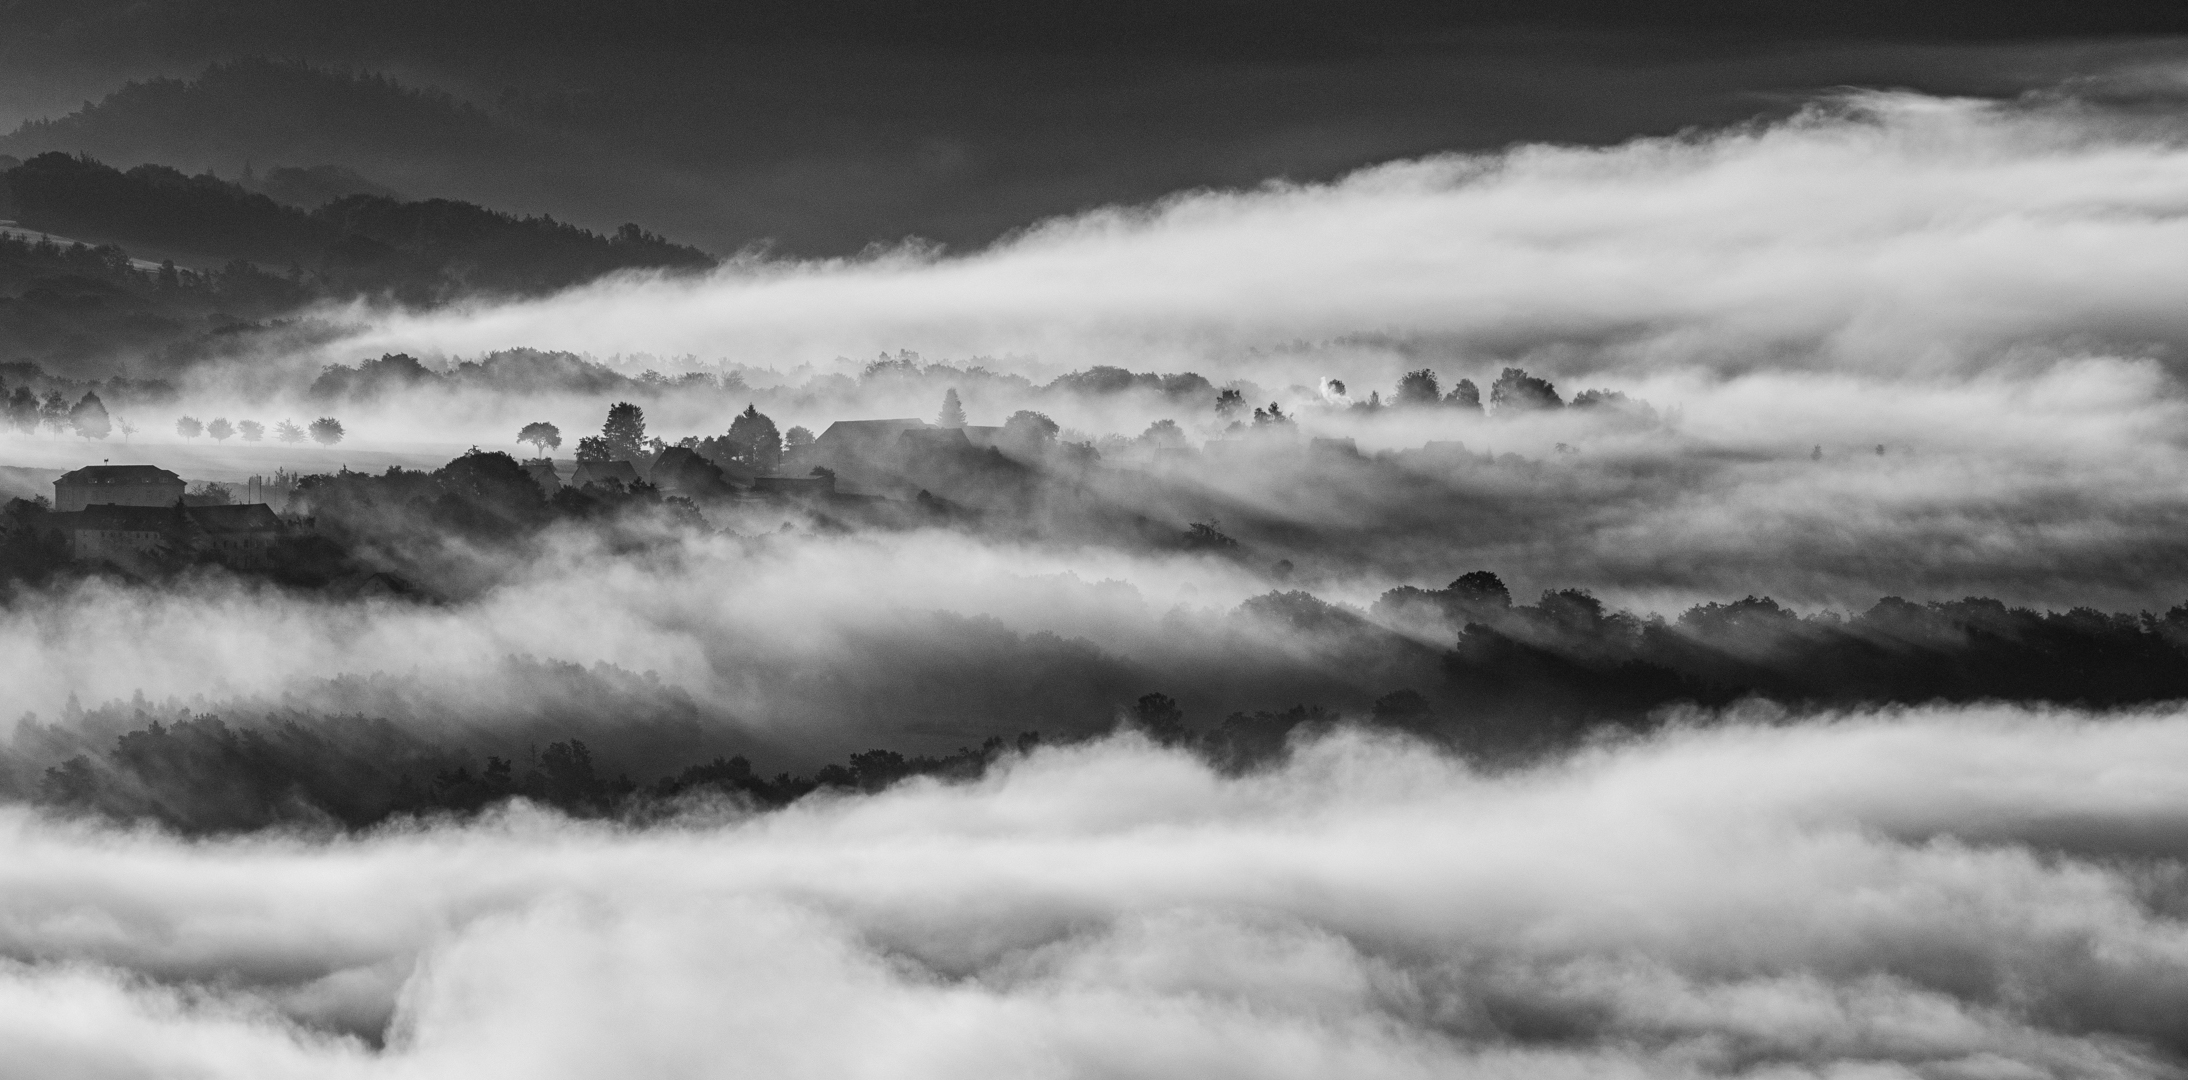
(1932, 893)
(1879, 231)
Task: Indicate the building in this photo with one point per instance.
(542, 472)
(681, 471)
(623, 474)
(238, 535)
(850, 441)
(932, 440)
(242, 535)
(117, 485)
(114, 532)
(822, 486)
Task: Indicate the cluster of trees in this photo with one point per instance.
(1520, 679)
(326, 431)
(514, 372)
(24, 411)
(197, 774)
(752, 444)
(81, 302)
(440, 531)
(1514, 391)
(1566, 662)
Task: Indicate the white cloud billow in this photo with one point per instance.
(1936, 893)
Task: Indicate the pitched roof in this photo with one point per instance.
(244, 517)
(933, 437)
(595, 471)
(867, 431)
(120, 474)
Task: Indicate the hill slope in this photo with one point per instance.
(420, 252)
(267, 113)
(247, 261)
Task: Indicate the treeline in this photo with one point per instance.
(1520, 680)
(198, 774)
(238, 110)
(508, 371)
(417, 252)
(1549, 670)
(77, 302)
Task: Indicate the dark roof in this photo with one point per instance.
(246, 517)
(933, 437)
(543, 473)
(865, 432)
(794, 485)
(589, 472)
(120, 474)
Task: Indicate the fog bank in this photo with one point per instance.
(1883, 231)
(1929, 893)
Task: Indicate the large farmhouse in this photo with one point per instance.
(857, 440)
(107, 532)
(112, 532)
(117, 485)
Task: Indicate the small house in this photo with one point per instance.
(621, 475)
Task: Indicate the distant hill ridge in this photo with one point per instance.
(420, 252)
(267, 111)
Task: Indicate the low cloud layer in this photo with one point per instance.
(1935, 893)
(1883, 232)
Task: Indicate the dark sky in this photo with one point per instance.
(823, 127)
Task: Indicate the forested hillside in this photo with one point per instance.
(234, 257)
(271, 112)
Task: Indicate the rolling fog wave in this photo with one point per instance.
(1934, 893)
(1879, 231)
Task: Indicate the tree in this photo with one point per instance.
(1519, 391)
(189, 427)
(23, 410)
(1208, 536)
(326, 431)
(752, 441)
(542, 435)
(1480, 588)
(288, 432)
(797, 438)
(1028, 432)
(593, 448)
(625, 432)
(1271, 417)
(55, 412)
(251, 430)
(220, 429)
(1163, 435)
(125, 427)
(1161, 718)
(1229, 402)
(89, 417)
(1465, 396)
(953, 412)
(1419, 388)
